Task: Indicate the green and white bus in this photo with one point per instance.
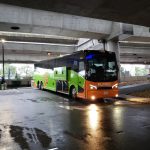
(88, 74)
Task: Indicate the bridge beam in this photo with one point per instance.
(45, 22)
(22, 47)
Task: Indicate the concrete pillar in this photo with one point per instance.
(113, 46)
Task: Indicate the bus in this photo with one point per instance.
(87, 74)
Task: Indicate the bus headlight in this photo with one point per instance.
(93, 97)
(116, 95)
(115, 86)
(93, 87)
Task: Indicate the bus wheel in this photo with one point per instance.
(73, 93)
(38, 85)
(41, 86)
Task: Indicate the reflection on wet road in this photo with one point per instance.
(40, 120)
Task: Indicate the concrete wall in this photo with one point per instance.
(135, 79)
(18, 83)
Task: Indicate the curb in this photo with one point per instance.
(134, 99)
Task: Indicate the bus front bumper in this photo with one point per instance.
(93, 95)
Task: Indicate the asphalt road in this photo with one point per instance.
(41, 120)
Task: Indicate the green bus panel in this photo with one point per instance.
(60, 73)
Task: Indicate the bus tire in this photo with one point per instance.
(38, 84)
(73, 93)
(41, 86)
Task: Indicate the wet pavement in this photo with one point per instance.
(40, 120)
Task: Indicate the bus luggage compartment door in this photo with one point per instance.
(62, 86)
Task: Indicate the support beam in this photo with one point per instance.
(136, 12)
(31, 58)
(24, 57)
(44, 22)
(38, 47)
(41, 38)
(135, 50)
(114, 47)
(135, 61)
(14, 58)
(88, 44)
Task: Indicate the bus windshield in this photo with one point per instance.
(101, 67)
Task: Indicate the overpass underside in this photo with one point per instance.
(37, 34)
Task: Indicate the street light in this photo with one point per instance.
(3, 78)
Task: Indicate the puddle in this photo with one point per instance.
(146, 126)
(107, 139)
(43, 138)
(17, 133)
(41, 113)
(45, 99)
(33, 100)
(119, 132)
(27, 138)
(77, 136)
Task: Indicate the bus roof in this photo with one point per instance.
(77, 52)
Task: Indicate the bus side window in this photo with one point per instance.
(75, 65)
(81, 66)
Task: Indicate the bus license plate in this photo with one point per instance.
(105, 92)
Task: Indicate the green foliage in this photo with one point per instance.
(10, 71)
(25, 71)
(17, 76)
(122, 71)
(140, 71)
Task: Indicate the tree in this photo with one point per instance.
(10, 71)
(25, 71)
(122, 71)
(140, 71)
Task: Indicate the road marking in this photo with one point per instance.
(53, 148)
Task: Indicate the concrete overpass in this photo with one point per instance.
(23, 52)
(127, 11)
(37, 32)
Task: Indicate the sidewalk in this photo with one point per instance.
(125, 91)
(134, 99)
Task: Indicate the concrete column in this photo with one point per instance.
(113, 46)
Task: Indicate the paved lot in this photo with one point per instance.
(41, 120)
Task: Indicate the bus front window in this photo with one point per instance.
(101, 68)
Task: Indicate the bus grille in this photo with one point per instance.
(99, 88)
